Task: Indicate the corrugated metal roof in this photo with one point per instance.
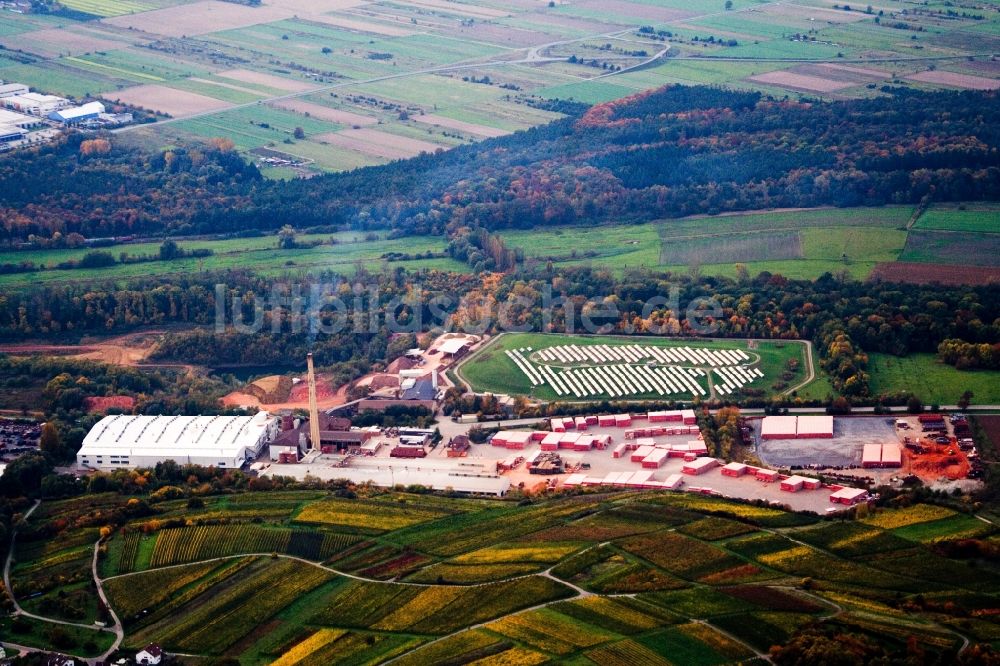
(194, 435)
(88, 109)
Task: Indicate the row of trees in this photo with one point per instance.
(846, 319)
(969, 356)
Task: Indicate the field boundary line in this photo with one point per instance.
(18, 610)
(10, 558)
(117, 626)
(319, 565)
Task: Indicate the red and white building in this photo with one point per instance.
(734, 469)
(778, 427)
(814, 427)
(699, 466)
(849, 496)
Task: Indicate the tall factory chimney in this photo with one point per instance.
(314, 443)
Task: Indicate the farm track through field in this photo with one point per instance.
(10, 558)
(788, 535)
(18, 610)
(337, 572)
(117, 625)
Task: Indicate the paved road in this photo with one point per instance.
(18, 610)
(10, 558)
(116, 627)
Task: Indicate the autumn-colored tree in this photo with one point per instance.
(50, 441)
(222, 144)
(90, 147)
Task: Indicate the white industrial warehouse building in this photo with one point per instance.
(126, 441)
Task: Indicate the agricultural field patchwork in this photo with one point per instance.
(702, 585)
(859, 242)
(457, 72)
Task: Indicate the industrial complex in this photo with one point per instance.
(25, 114)
(657, 449)
(126, 441)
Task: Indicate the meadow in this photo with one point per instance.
(800, 244)
(933, 381)
(796, 244)
(341, 252)
(976, 218)
(685, 557)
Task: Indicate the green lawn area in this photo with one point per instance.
(981, 218)
(798, 244)
(260, 254)
(491, 370)
(932, 381)
(36, 633)
(589, 92)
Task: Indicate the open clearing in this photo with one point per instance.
(932, 381)
(956, 80)
(451, 123)
(378, 143)
(269, 80)
(167, 100)
(325, 112)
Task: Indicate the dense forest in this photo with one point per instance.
(846, 319)
(666, 153)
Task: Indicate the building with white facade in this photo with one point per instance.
(125, 441)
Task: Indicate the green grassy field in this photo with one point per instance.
(260, 254)
(932, 381)
(491, 370)
(744, 586)
(107, 7)
(977, 218)
(588, 92)
(798, 244)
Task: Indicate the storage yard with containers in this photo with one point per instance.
(656, 450)
(660, 450)
(931, 446)
(820, 441)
